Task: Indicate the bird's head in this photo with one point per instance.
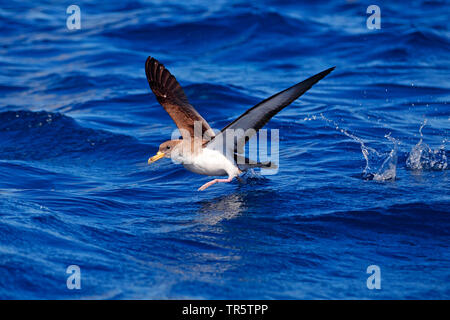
(165, 150)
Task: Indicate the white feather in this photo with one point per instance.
(211, 163)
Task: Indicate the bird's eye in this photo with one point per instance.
(168, 147)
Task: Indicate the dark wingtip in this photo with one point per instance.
(162, 82)
(149, 60)
(325, 72)
(152, 68)
(305, 85)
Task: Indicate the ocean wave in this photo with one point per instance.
(28, 135)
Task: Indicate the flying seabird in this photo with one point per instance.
(202, 151)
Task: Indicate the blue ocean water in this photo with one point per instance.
(363, 173)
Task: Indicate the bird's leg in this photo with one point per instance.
(208, 184)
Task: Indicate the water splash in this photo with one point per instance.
(388, 168)
(379, 166)
(422, 157)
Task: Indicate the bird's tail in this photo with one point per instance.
(245, 163)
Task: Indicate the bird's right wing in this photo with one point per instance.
(244, 127)
(171, 96)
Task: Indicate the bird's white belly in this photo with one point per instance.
(211, 163)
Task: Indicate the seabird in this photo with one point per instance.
(201, 150)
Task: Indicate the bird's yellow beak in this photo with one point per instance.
(158, 156)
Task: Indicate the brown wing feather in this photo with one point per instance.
(171, 96)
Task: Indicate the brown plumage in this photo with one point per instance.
(214, 155)
(171, 96)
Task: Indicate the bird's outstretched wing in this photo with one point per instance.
(256, 117)
(171, 96)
